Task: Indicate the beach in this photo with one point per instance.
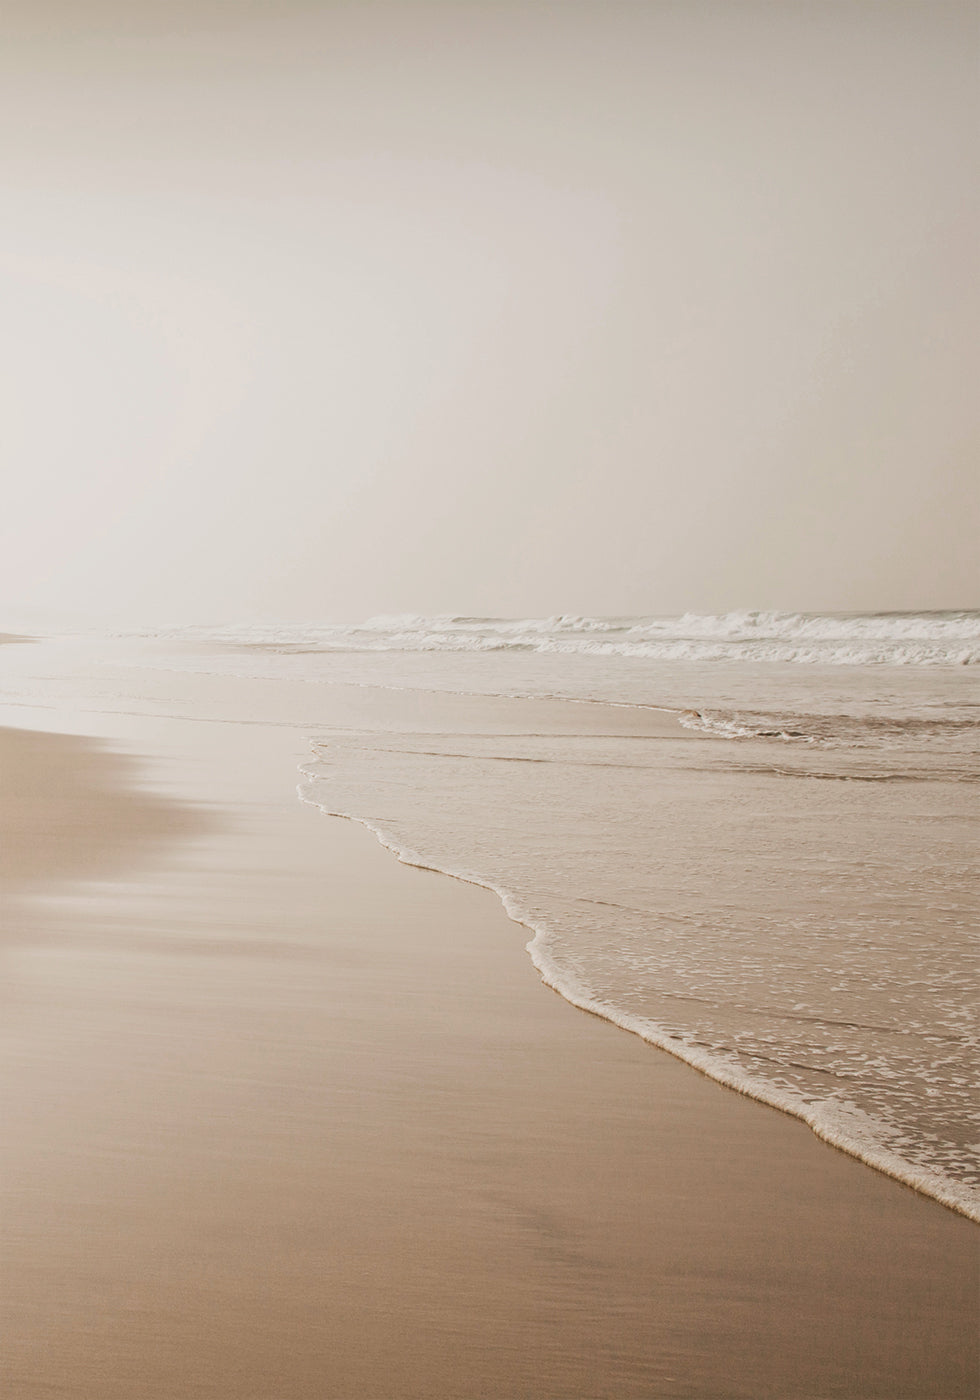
(285, 1118)
(489, 726)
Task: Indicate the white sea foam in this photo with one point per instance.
(895, 639)
(734, 727)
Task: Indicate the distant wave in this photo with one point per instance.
(834, 730)
(883, 639)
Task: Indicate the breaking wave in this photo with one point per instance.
(887, 639)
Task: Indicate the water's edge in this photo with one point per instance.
(830, 1125)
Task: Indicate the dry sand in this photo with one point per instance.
(286, 1119)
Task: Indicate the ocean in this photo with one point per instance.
(749, 839)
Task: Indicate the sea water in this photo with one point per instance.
(756, 847)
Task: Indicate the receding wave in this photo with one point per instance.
(838, 1121)
(890, 639)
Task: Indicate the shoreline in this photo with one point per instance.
(710, 1066)
(348, 1102)
(377, 708)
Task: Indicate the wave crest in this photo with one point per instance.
(866, 639)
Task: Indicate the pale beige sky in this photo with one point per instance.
(321, 310)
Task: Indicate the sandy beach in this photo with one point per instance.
(286, 1119)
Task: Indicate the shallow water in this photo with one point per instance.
(807, 941)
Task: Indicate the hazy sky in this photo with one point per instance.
(321, 310)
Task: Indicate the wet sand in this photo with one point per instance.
(286, 1119)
